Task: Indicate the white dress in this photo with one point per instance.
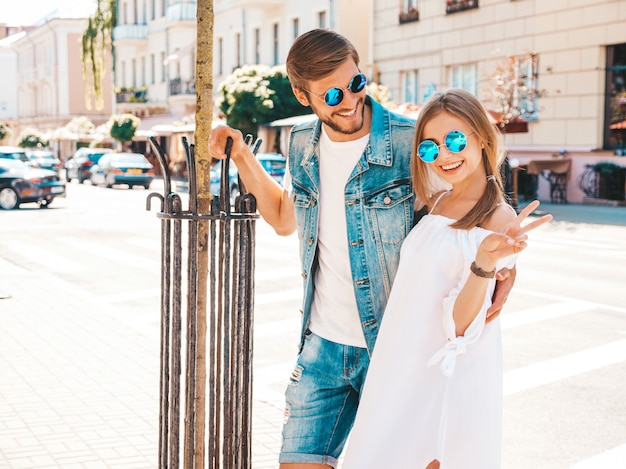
(428, 394)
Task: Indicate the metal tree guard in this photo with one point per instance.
(231, 237)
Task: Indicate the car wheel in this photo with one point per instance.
(110, 180)
(147, 186)
(45, 203)
(81, 178)
(8, 199)
(67, 176)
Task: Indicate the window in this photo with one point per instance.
(257, 46)
(409, 13)
(514, 87)
(238, 49)
(134, 72)
(123, 74)
(410, 87)
(163, 68)
(615, 107)
(143, 70)
(321, 20)
(220, 56)
(464, 76)
(152, 70)
(296, 27)
(276, 44)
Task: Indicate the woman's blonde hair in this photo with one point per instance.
(468, 108)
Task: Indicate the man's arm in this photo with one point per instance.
(505, 280)
(273, 202)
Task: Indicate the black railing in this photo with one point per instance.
(227, 239)
(178, 86)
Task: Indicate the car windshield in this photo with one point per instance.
(95, 157)
(12, 165)
(16, 155)
(129, 158)
(42, 156)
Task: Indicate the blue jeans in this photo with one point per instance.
(321, 400)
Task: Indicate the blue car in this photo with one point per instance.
(233, 180)
(20, 183)
(132, 169)
(273, 163)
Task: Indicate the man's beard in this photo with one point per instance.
(347, 131)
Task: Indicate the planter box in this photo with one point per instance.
(409, 16)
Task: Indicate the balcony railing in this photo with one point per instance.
(130, 31)
(178, 86)
(455, 6)
(182, 11)
(131, 96)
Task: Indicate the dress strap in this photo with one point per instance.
(508, 205)
(437, 201)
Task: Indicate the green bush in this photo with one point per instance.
(122, 127)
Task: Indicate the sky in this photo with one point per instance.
(29, 12)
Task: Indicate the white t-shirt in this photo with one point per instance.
(334, 312)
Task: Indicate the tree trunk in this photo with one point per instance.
(204, 113)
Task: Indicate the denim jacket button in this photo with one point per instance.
(387, 200)
(310, 241)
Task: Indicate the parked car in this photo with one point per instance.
(274, 164)
(79, 165)
(132, 169)
(233, 180)
(44, 159)
(13, 153)
(20, 183)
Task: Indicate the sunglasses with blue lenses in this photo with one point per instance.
(455, 141)
(334, 95)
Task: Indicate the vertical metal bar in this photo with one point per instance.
(175, 366)
(166, 279)
(192, 280)
(213, 374)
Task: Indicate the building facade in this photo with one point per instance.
(155, 44)
(568, 58)
(49, 88)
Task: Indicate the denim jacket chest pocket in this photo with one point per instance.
(388, 211)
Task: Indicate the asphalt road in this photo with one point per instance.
(564, 325)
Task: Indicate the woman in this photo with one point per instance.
(433, 392)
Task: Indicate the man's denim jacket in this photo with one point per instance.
(379, 210)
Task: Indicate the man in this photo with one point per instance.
(348, 192)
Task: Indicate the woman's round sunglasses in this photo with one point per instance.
(455, 141)
(334, 95)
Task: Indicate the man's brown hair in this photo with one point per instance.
(316, 54)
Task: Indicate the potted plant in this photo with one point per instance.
(410, 15)
(610, 180)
